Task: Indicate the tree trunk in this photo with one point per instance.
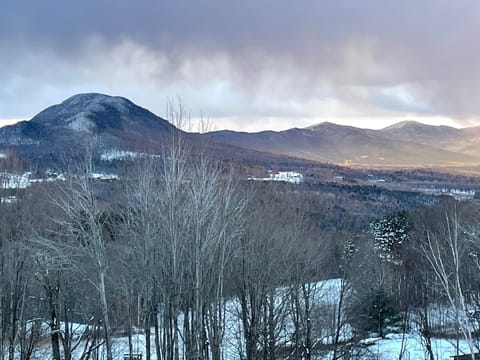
(157, 333)
(308, 322)
(338, 319)
(54, 327)
(148, 346)
(186, 331)
(271, 326)
(250, 314)
(106, 320)
(13, 326)
(67, 335)
(130, 342)
(176, 354)
(197, 320)
(215, 329)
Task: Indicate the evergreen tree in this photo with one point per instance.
(389, 237)
(374, 312)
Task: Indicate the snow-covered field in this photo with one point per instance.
(325, 294)
(113, 154)
(103, 176)
(380, 349)
(14, 181)
(409, 347)
(22, 181)
(120, 155)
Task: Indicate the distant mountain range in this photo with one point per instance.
(119, 124)
(407, 143)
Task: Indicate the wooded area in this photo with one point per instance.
(184, 247)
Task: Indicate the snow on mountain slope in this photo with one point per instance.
(91, 119)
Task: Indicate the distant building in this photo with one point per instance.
(292, 177)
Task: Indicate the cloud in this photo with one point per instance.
(272, 59)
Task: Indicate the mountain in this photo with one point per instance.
(108, 117)
(404, 144)
(422, 133)
(117, 124)
(113, 122)
(465, 141)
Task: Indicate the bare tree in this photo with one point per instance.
(446, 253)
(16, 221)
(183, 217)
(142, 221)
(271, 256)
(82, 227)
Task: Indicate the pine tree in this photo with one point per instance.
(389, 237)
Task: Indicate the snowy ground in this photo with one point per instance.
(113, 154)
(386, 349)
(391, 348)
(394, 346)
(15, 181)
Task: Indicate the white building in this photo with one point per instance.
(292, 177)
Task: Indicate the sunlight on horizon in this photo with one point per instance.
(250, 124)
(246, 124)
(6, 122)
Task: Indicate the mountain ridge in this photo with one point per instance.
(118, 123)
(407, 143)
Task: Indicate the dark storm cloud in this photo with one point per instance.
(379, 56)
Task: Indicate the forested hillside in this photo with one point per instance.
(205, 265)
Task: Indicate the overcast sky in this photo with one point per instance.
(250, 64)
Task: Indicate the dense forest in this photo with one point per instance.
(206, 265)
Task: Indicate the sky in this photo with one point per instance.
(248, 65)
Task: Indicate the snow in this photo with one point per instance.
(3, 155)
(114, 154)
(81, 123)
(96, 102)
(391, 347)
(15, 181)
(325, 293)
(103, 176)
(49, 177)
(458, 194)
(23, 181)
(293, 177)
(382, 349)
(8, 200)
